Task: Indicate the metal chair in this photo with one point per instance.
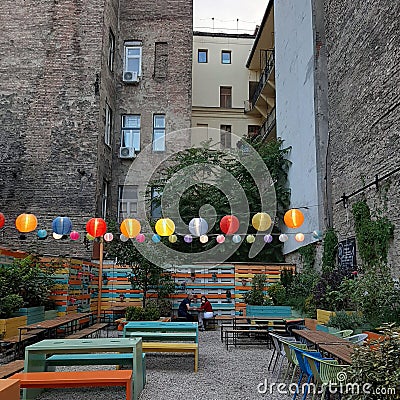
(357, 339)
(343, 334)
(327, 372)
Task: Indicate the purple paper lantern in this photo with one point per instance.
(268, 238)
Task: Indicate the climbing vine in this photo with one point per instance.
(330, 251)
(373, 235)
(308, 255)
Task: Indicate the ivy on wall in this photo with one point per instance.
(330, 251)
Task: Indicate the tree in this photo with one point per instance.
(209, 162)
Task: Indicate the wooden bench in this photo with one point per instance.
(61, 360)
(164, 336)
(158, 347)
(88, 332)
(11, 368)
(75, 379)
(262, 334)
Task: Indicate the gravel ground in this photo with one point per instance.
(233, 374)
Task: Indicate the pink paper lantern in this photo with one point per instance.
(220, 239)
(108, 237)
(140, 238)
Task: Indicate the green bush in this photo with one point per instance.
(134, 314)
(277, 292)
(255, 296)
(151, 311)
(10, 304)
(377, 367)
(343, 320)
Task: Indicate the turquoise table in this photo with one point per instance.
(162, 331)
(36, 354)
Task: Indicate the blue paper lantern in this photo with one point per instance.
(62, 225)
(42, 234)
(236, 239)
(156, 238)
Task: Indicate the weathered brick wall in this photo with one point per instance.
(364, 97)
(50, 53)
(151, 22)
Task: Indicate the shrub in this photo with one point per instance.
(10, 304)
(343, 320)
(134, 314)
(255, 296)
(151, 311)
(277, 293)
(379, 367)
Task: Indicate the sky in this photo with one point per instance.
(226, 13)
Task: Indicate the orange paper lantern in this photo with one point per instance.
(96, 227)
(293, 218)
(130, 227)
(26, 223)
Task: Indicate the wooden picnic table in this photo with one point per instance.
(318, 337)
(342, 352)
(50, 326)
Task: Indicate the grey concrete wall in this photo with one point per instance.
(364, 98)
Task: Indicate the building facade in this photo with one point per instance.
(220, 88)
(84, 87)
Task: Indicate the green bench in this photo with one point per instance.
(126, 359)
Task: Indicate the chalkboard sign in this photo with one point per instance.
(347, 254)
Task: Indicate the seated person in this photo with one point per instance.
(184, 307)
(206, 311)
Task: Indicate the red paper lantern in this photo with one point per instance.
(26, 223)
(229, 224)
(2, 220)
(96, 227)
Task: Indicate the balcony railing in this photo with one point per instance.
(269, 61)
(268, 125)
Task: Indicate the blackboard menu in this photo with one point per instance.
(347, 254)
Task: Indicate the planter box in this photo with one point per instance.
(9, 326)
(50, 314)
(33, 314)
(323, 316)
(311, 324)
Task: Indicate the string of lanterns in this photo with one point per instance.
(198, 227)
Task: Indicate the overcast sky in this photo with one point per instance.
(226, 13)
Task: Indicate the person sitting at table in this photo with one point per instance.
(205, 311)
(184, 307)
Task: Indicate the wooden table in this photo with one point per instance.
(319, 337)
(342, 352)
(36, 354)
(71, 321)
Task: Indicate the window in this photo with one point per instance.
(159, 132)
(202, 56)
(108, 125)
(133, 57)
(252, 130)
(156, 203)
(127, 201)
(225, 136)
(104, 200)
(225, 97)
(161, 60)
(111, 50)
(130, 131)
(225, 57)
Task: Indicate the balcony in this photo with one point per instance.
(269, 125)
(266, 85)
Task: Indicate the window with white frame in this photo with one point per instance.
(130, 131)
(104, 200)
(225, 136)
(111, 50)
(108, 125)
(133, 57)
(156, 193)
(159, 132)
(127, 201)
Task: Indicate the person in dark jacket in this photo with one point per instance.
(184, 307)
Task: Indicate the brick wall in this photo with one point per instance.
(364, 98)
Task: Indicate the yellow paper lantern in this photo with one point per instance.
(165, 227)
(261, 221)
(293, 218)
(26, 223)
(130, 227)
(172, 238)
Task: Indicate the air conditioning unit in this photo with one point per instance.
(131, 76)
(127, 152)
